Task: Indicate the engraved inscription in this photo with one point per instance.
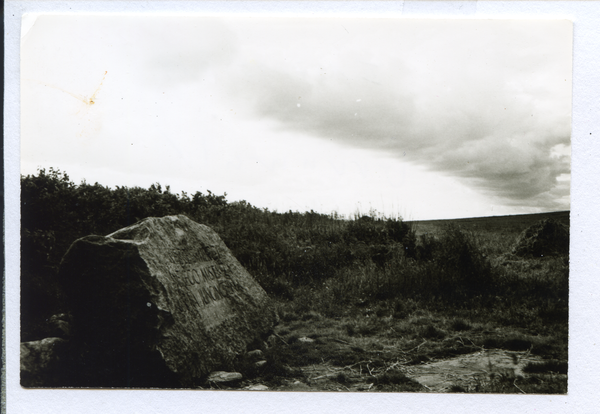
(200, 273)
(205, 281)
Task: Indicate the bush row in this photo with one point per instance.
(359, 259)
(298, 248)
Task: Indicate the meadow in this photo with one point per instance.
(364, 302)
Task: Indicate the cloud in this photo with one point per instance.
(480, 108)
(491, 111)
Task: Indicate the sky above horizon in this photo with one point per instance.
(427, 119)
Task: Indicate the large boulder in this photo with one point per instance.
(546, 238)
(160, 303)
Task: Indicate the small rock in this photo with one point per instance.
(259, 364)
(306, 339)
(60, 325)
(222, 377)
(255, 355)
(257, 387)
(59, 317)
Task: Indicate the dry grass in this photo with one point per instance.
(353, 323)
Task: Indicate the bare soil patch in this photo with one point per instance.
(468, 372)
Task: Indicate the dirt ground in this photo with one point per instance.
(461, 373)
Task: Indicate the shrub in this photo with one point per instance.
(514, 343)
(460, 325)
(463, 269)
(553, 366)
(425, 248)
(398, 230)
(545, 238)
(431, 332)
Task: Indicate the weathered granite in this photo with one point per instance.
(163, 296)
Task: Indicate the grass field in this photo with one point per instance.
(371, 326)
(365, 304)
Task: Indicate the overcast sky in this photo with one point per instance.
(422, 118)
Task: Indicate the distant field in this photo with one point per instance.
(496, 224)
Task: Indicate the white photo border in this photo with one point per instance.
(585, 193)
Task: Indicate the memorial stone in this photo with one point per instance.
(160, 303)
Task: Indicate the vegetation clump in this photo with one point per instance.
(460, 325)
(545, 238)
(552, 366)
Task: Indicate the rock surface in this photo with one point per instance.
(40, 361)
(466, 371)
(158, 304)
(223, 377)
(59, 325)
(255, 354)
(545, 238)
(257, 387)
